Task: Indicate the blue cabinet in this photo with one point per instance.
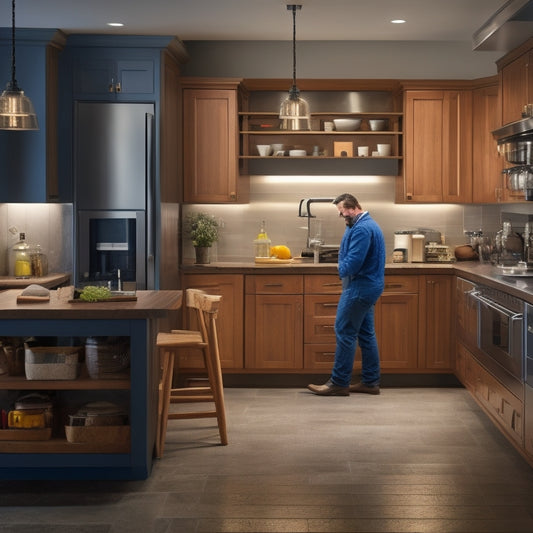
(115, 79)
(29, 158)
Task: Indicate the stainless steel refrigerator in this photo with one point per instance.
(115, 194)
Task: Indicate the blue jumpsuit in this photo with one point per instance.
(362, 271)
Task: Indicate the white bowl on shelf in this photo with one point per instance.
(347, 124)
(297, 153)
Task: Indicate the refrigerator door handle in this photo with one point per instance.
(150, 204)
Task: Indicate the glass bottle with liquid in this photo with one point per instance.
(262, 242)
(20, 264)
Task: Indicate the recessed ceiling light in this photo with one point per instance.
(398, 21)
(115, 24)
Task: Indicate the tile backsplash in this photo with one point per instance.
(50, 225)
(275, 199)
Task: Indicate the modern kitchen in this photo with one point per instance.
(428, 121)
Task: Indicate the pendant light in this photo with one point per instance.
(16, 109)
(294, 110)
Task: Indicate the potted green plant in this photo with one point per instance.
(202, 229)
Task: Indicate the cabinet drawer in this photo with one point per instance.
(324, 284)
(322, 356)
(320, 311)
(273, 284)
(401, 284)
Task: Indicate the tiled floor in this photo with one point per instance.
(409, 460)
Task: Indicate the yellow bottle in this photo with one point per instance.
(21, 260)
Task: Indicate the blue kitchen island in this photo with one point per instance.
(60, 319)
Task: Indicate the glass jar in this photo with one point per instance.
(39, 261)
(20, 264)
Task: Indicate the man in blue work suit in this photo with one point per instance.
(362, 271)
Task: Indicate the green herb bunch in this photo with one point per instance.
(202, 229)
(93, 293)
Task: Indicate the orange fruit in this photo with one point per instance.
(280, 251)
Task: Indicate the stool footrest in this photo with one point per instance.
(196, 414)
(192, 399)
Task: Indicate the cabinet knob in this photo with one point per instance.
(118, 88)
(409, 196)
(232, 195)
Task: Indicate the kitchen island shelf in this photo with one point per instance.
(57, 458)
(21, 383)
(59, 445)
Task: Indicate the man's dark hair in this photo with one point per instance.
(348, 201)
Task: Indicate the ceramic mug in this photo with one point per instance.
(384, 150)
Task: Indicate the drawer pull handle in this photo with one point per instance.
(273, 285)
(393, 285)
(336, 284)
(330, 305)
(328, 326)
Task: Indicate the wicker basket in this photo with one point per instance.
(118, 435)
(107, 357)
(52, 362)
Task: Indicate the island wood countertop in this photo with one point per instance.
(149, 304)
(49, 281)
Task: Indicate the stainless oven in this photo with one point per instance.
(500, 329)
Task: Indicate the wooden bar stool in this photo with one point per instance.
(206, 310)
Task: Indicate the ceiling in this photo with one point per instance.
(427, 20)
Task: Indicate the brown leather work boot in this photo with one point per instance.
(361, 387)
(329, 389)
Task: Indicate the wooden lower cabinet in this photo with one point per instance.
(396, 318)
(273, 322)
(503, 407)
(285, 322)
(229, 320)
(436, 346)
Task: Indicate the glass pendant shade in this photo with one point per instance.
(294, 112)
(16, 111)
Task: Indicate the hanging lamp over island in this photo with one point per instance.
(16, 109)
(294, 111)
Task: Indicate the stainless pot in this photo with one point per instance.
(519, 178)
(517, 152)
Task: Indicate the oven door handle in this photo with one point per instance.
(497, 307)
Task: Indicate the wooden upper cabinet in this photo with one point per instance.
(210, 143)
(438, 146)
(515, 88)
(487, 165)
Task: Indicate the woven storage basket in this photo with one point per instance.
(107, 358)
(118, 435)
(52, 362)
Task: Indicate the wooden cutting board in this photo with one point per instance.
(272, 261)
(32, 299)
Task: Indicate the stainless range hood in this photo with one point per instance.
(509, 27)
(515, 131)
